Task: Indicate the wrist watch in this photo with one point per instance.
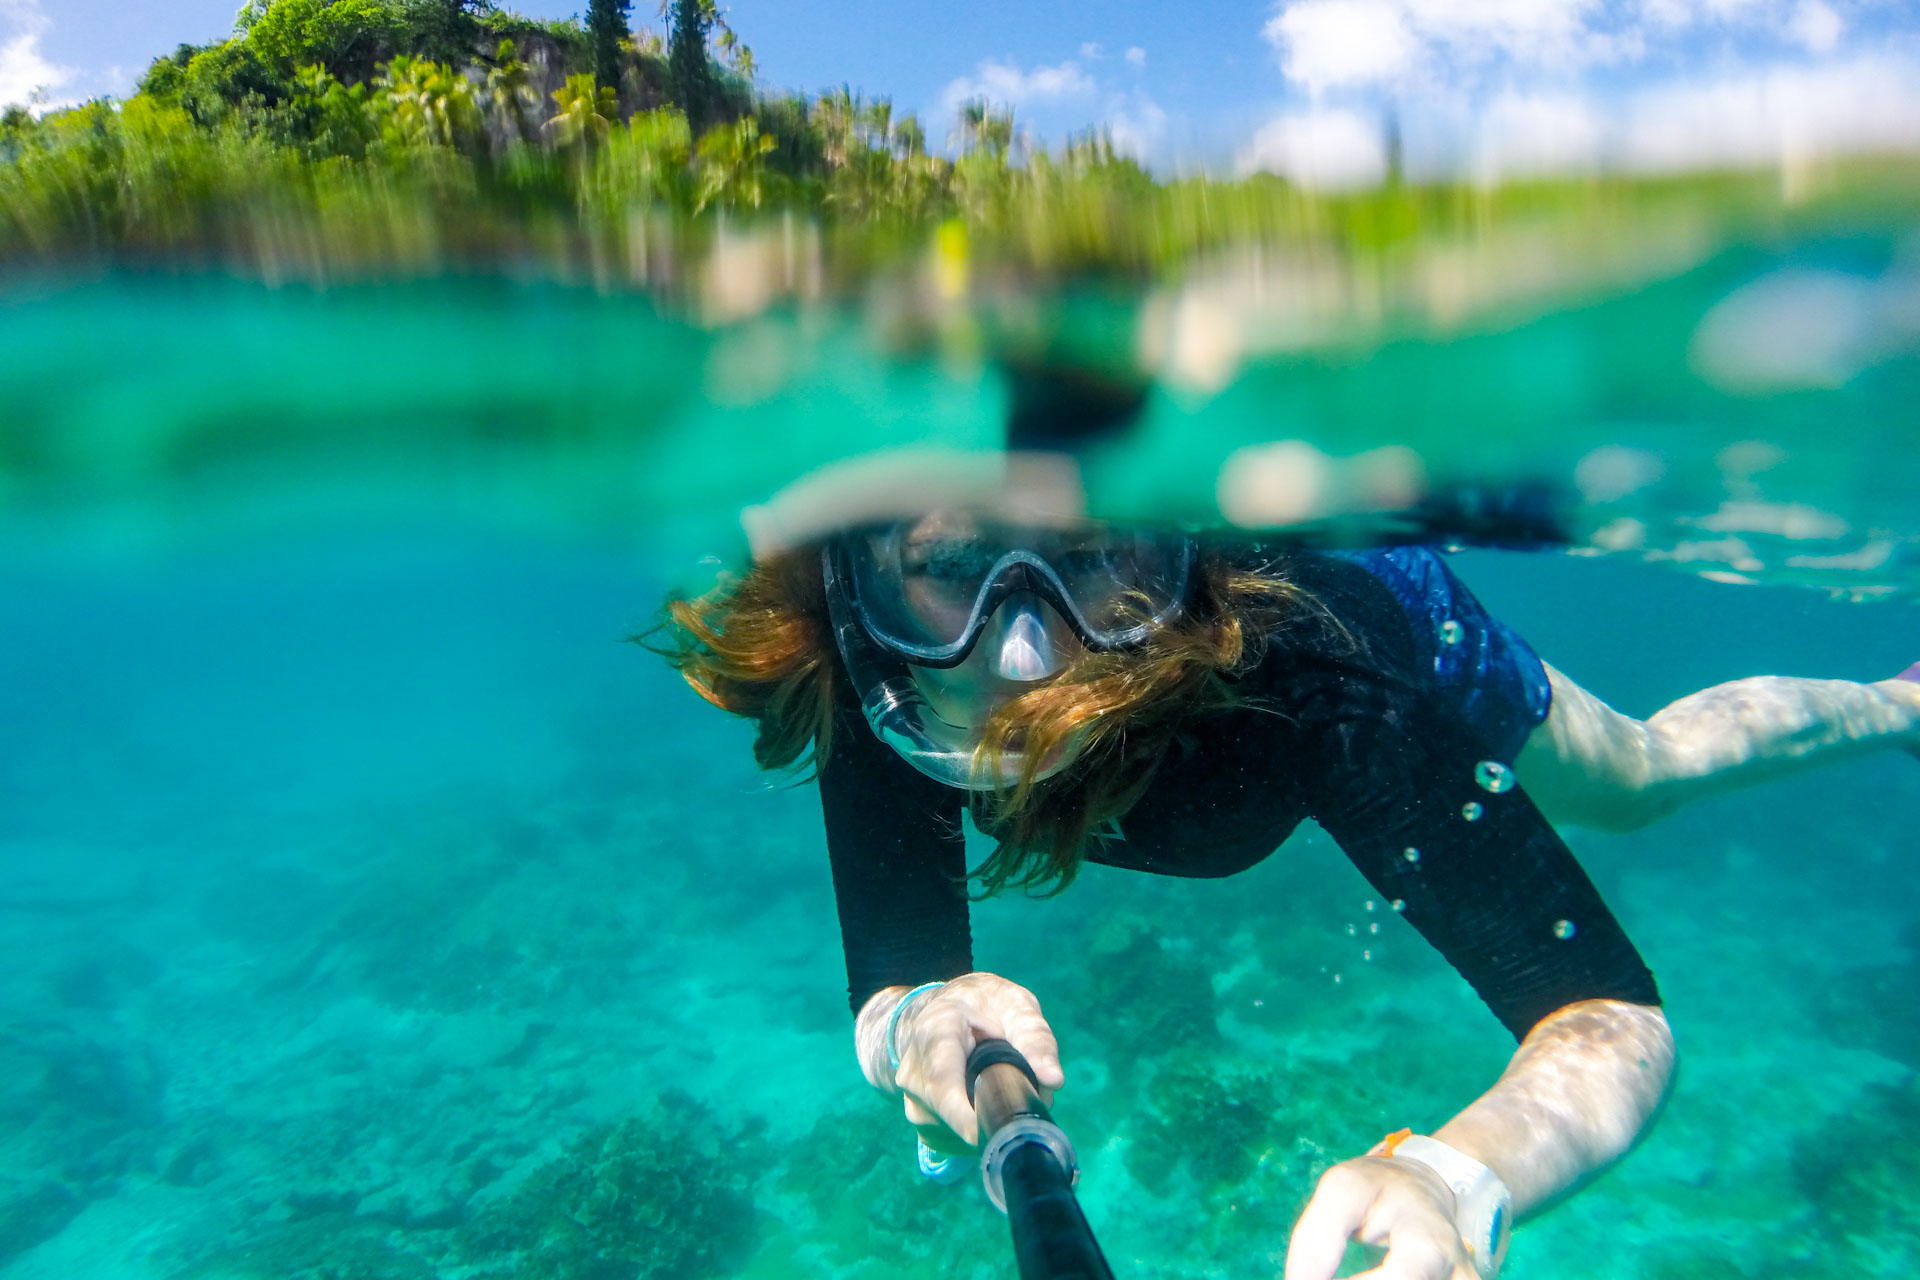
(1482, 1205)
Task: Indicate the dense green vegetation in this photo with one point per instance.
(394, 128)
(331, 135)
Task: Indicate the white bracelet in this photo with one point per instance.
(893, 1019)
(1482, 1205)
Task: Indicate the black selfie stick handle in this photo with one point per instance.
(1029, 1168)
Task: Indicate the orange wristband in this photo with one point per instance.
(1385, 1146)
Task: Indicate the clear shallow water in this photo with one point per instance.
(373, 910)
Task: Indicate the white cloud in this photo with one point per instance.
(1498, 87)
(1136, 56)
(1323, 150)
(24, 70)
(1092, 51)
(1331, 43)
(1518, 134)
(1777, 115)
(1137, 129)
(1815, 25)
(1687, 13)
(1328, 44)
(1005, 85)
(1466, 44)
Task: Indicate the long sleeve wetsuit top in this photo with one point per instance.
(1340, 723)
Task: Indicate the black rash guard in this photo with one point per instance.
(1339, 726)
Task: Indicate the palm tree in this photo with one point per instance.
(426, 103)
(733, 165)
(332, 116)
(587, 110)
(996, 133)
(877, 122)
(836, 115)
(737, 53)
(972, 122)
(648, 162)
(909, 139)
(509, 93)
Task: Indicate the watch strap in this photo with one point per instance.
(1483, 1206)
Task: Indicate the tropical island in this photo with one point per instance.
(325, 135)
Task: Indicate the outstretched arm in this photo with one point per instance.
(1579, 1092)
(1583, 1087)
(1399, 780)
(1592, 766)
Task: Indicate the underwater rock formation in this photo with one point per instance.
(1859, 1177)
(31, 1213)
(1875, 1009)
(869, 1206)
(664, 1194)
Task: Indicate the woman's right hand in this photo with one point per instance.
(935, 1034)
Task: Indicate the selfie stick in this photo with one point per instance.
(1030, 1169)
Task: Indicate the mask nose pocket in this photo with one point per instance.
(1022, 650)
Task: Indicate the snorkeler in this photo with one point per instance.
(1177, 705)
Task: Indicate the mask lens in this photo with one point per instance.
(1116, 580)
(925, 586)
(940, 580)
(919, 586)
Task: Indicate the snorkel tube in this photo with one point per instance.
(1030, 1169)
(893, 705)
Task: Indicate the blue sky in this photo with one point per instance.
(1301, 86)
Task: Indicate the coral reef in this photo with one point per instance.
(1873, 1007)
(854, 1172)
(664, 1195)
(31, 1213)
(1144, 990)
(1859, 1178)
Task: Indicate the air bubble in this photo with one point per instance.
(1351, 931)
(1493, 776)
(1369, 904)
(1374, 927)
(1399, 905)
(1366, 955)
(1411, 854)
(1564, 929)
(1471, 811)
(1451, 632)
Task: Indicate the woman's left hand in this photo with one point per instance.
(1396, 1204)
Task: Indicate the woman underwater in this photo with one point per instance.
(1177, 705)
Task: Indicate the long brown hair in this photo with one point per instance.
(760, 646)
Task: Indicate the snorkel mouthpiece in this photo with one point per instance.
(899, 717)
(1022, 649)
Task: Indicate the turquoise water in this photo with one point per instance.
(372, 909)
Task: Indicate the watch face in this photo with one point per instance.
(1497, 1234)
(1489, 1245)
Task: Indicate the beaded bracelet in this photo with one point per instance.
(893, 1019)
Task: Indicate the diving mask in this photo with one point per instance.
(927, 594)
